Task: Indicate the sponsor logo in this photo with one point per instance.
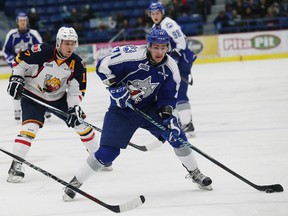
(258, 42)
(195, 46)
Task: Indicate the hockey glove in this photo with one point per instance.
(75, 115)
(172, 132)
(16, 86)
(119, 96)
(176, 55)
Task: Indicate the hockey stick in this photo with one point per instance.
(266, 188)
(115, 208)
(82, 121)
(147, 147)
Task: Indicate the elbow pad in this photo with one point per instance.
(165, 112)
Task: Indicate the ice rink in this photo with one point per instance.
(240, 112)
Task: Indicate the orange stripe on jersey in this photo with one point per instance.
(23, 142)
(33, 121)
(88, 139)
(17, 59)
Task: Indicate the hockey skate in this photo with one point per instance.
(203, 182)
(17, 115)
(189, 130)
(69, 194)
(16, 172)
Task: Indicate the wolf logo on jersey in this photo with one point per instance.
(145, 86)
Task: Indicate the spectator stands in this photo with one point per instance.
(97, 29)
(99, 21)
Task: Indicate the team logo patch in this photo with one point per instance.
(129, 49)
(143, 67)
(144, 87)
(169, 25)
(36, 48)
(51, 84)
(48, 65)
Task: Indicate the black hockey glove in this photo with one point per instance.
(176, 55)
(173, 131)
(119, 96)
(16, 86)
(76, 114)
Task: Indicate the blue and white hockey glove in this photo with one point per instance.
(16, 86)
(119, 96)
(173, 131)
(75, 115)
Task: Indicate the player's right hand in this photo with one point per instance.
(120, 96)
(16, 86)
(75, 115)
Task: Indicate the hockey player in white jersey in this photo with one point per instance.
(56, 76)
(17, 40)
(148, 78)
(184, 58)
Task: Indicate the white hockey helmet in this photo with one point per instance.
(66, 33)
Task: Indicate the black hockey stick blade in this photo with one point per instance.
(266, 188)
(270, 188)
(132, 204)
(147, 147)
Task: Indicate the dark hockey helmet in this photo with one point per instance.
(158, 36)
(21, 15)
(156, 6)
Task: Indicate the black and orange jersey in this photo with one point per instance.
(50, 78)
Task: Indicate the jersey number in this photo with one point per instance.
(176, 34)
(115, 53)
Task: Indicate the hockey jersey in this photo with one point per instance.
(49, 78)
(129, 64)
(16, 41)
(178, 40)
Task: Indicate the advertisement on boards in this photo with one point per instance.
(255, 43)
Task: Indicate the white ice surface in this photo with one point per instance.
(240, 113)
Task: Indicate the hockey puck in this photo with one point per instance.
(270, 190)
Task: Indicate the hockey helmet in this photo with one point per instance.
(66, 33)
(21, 15)
(156, 6)
(158, 36)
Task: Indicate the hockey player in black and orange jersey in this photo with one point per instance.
(57, 76)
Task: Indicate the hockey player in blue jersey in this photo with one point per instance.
(17, 40)
(184, 58)
(148, 78)
(56, 76)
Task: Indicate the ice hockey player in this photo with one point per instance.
(148, 78)
(56, 76)
(184, 58)
(17, 40)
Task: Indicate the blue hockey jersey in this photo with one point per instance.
(16, 42)
(129, 64)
